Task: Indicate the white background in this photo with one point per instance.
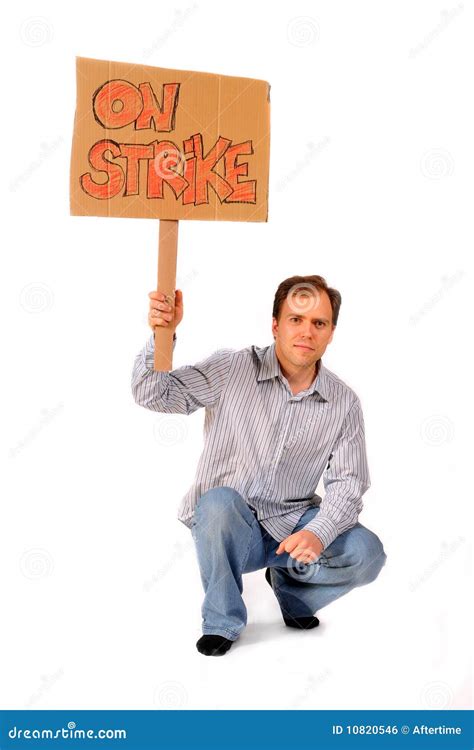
(371, 187)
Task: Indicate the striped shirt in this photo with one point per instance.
(265, 442)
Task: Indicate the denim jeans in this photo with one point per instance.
(230, 541)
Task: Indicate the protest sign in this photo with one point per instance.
(169, 144)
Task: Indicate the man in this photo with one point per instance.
(276, 420)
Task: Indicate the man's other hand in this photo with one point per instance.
(303, 546)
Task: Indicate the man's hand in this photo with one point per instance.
(163, 312)
(304, 546)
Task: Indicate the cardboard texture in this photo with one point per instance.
(169, 144)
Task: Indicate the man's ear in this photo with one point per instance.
(332, 334)
(274, 327)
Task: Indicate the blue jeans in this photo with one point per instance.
(230, 541)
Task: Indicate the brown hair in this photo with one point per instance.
(318, 281)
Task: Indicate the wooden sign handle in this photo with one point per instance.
(167, 257)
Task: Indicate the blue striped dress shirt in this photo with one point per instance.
(265, 442)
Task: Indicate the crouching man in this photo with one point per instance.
(276, 421)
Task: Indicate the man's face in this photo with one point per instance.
(304, 328)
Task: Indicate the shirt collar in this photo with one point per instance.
(270, 368)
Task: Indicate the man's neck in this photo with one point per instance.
(301, 381)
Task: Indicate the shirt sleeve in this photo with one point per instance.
(181, 391)
(345, 479)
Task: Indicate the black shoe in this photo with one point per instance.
(268, 577)
(213, 645)
(301, 623)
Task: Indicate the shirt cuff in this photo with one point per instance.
(149, 351)
(324, 528)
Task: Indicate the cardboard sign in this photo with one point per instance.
(169, 144)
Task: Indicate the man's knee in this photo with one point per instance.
(369, 554)
(218, 503)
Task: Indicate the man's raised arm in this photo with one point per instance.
(181, 391)
(185, 389)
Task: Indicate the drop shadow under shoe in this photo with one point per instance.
(301, 623)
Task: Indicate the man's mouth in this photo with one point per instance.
(303, 346)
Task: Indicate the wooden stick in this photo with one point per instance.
(167, 257)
